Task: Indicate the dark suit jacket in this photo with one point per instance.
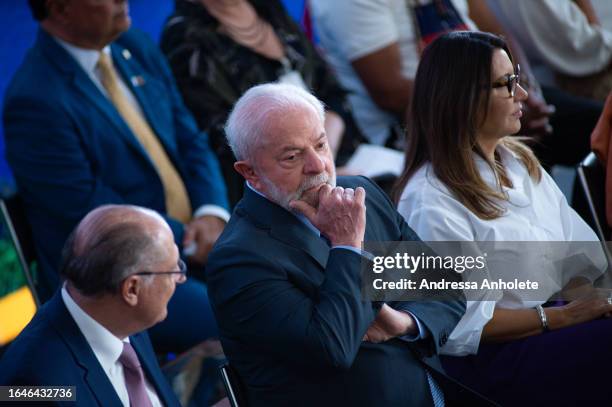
(291, 316)
(51, 350)
(70, 150)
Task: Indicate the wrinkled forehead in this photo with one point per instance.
(290, 125)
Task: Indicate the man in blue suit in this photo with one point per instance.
(121, 267)
(93, 117)
(285, 275)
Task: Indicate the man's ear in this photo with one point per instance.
(130, 289)
(245, 169)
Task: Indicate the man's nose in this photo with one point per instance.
(315, 163)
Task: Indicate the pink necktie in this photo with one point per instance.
(134, 377)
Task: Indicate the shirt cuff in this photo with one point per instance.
(360, 252)
(212, 210)
(422, 334)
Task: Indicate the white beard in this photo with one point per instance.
(276, 195)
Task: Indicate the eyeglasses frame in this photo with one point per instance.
(182, 271)
(511, 81)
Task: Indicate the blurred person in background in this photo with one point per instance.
(218, 49)
(565, 40)
(375, 47)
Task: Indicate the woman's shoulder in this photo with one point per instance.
(425, 186)
(431, 209)
(425, 192)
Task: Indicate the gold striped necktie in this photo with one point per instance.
(177, 199)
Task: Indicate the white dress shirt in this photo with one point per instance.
(534, 212)
(88, 60)
(107, 348)
(555, 34)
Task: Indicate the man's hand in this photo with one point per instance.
(204, 232)
(340, 215)
(390, 323)
(535, 120)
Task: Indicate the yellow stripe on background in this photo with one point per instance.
(16, 310)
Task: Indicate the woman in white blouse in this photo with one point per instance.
(467, 180)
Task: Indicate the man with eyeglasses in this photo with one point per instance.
(120, 267)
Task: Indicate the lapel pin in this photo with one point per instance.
(137, 80)
(126, 54)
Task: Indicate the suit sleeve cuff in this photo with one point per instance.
(421, 334)
(212, 210)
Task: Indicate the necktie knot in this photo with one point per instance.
(104, 61)
(107, 74)
(106, 67)
(128, 357)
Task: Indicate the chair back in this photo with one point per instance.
(13, 218)
(233, 385)
(19, 299)
(592, 177)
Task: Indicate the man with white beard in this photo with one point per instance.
(285, 275)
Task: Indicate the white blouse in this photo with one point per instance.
(534, 212)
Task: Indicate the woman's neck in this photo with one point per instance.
(488, 146)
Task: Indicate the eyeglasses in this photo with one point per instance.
(181, 272)
(510, 81)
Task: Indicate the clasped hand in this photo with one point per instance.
(340, 215)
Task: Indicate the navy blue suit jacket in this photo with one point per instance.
(52, 351)
(291, 316)
(70, 150)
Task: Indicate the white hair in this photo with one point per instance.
(248, 120)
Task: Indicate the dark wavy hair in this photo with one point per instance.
(449, 103)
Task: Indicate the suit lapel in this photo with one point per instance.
(83, 85)
(147, 90)
(283, 226)
(299, 236)
(93, 375)
(90, 91)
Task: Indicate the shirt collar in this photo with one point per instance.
(86, 58)
(516, 172)
(508, 159)
(106, 346)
